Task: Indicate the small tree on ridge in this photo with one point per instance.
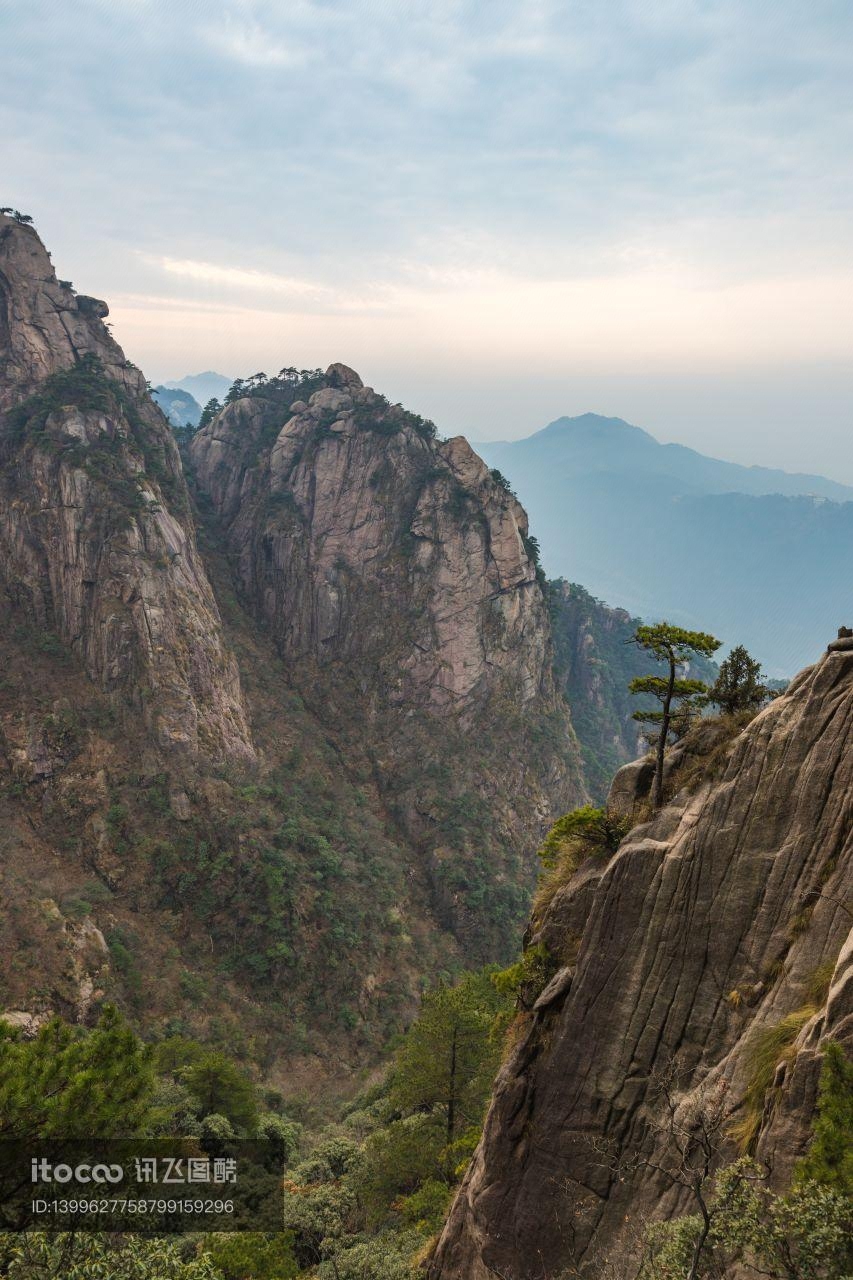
(673, 646)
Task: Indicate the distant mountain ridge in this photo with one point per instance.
(581, 438)
(756, 555)
(180, 407)
(202, 386)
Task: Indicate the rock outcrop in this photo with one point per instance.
(715, 921)
(397, 578)
(96, 542)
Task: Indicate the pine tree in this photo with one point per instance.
(830, 1157)
(68, 1083)
(673, 646)
(447, 1061)
(209, 412)
(739, 686)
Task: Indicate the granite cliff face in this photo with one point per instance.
(96, 540)
(395, 575)
(276, 853)
(712, 923)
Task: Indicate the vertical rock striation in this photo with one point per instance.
(96, 542)
(713, 922)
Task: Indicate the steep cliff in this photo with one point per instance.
(273, 750)
(96, 540)
(721, 918)
(396, 577)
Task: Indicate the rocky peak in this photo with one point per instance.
(341, 375)
(44, 325)
(396, 576)
(362, 479)
(718, 921)
(96, 539)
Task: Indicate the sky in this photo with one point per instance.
(497, 213)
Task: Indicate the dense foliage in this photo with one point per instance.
(91, 1257)
(740, 684)
(804, 1234)
(68, 1083)
(359, 1204)
(375, 1187)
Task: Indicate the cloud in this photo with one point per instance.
(241, 277)
(245, 40)
(512, 174)
(224, 281)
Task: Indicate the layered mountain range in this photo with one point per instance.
(665, 531)
(283, 720)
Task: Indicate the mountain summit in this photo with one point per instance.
(667, 532)
(611, 444)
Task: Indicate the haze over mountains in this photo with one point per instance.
(183, 401)
(202, 386)
(756, 555)
(180, 407)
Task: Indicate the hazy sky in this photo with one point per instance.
(497, 212)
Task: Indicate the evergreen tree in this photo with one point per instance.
(676, 693)
(209, 412)
(830, 1157)
(69, 1083)
(447, 1061)
(739, 686)
(216, 1083)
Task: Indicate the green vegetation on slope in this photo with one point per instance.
(803, 1234)
(374, 1189)
(36, 423)
(360, 1200)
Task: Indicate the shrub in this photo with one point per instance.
(251, 1253)
(584, 833)
(830, 1158)
(527, 978)
(37, 1256)
(282, 1135)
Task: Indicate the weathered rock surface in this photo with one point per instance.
(96, 543)
(710, 923)
(396, 577)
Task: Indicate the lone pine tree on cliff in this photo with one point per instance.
(740, 685)
(673, 646)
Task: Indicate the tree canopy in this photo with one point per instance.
(70, 1083)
